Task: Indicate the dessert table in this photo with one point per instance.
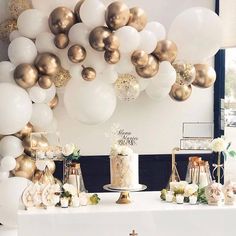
(147, 215)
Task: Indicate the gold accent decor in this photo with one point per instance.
(124, 198)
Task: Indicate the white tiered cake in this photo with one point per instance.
(124, 168)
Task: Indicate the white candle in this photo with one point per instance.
(169, 196)
(75, 201)
(193, 200)
(72, 180)
(179, 199)
(64, 202)
(203, 181)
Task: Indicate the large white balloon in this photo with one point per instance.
(124, 65)
(51, 128)
(148, 41)
(8, 163)
(109, 75)
(15, 108)
(11, 146)
(129, 39)
(10, 199)
(6, 72)
(197, 33)
(32, 22)
(3, 175)
(45, 43)
(92, 103)
(79, 33)
(37, 94)
(22, 50)
(92, 13)
(156, 28)
(42, 115)
(143, 83)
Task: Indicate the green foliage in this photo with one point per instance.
(201, 197)
(94, 199)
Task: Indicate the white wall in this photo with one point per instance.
(158, 125)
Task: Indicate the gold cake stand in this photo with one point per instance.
(124, 193)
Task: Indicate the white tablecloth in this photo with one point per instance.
(147, 215)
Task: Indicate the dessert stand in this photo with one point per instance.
(124, 192)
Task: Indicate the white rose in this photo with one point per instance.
(68, 149)
(218, 145)
(190, 189)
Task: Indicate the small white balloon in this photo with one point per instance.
(14, 34)
(22, 50)
(143, 83)
(79, 33)
(124, 65)
(45, 43)
(3, 175)
(70, 4)
(157, 94)
(51, 128)
(6, 72)
(148, 41)
(92, 13)
(42, 115)
(129, 39)
(156, 28)
(8, 163)
(50, 93)
(63, 56)
(32, 22)
(11, 146)
(41, 164)
(37, 94)
(109, 75)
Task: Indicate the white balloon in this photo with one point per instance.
(6, 72)
(157, 94)
(14, 34)
(50, 93)
(42, 115)
(11, 146)
(45, 43)
(148, 41)
(10, 199)
(15, 108)
(129, 39)
(156, 28)
(51, 128)
(63, 56)
(70, 4)
(124, 65)
(46, 6)
(92, 103)
(75, 72)
(8, 163)
(79, 33)
(37, 94)
(3, 175)
(109, 75)
(197, 33)
(143, 83)
(32, 22)
(22, 50)
(92, 13)
(41, 164)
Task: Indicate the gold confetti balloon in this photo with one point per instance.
(127, 87)
(185, 73)
(6, 27)
(16, 7)
(61, 78)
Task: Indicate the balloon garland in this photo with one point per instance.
(97, 52)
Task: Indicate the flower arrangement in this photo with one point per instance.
(68, 191)
(71, 152)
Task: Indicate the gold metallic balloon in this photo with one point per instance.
(180, 93)
(61, 41)
(111, 43)
(61, 78)
(117, 15)
(112, 57)
(139, 58)
(45, 82)
(150, 69)
(43, 177)
(26, 75)
(54, 102)
(166, 50)
(88, 74)
(185, 73)
(25, 167)
(37, 175)
(47, 63)
(205, 76)
(97, 37)
(6, 27)
(77, 10)
(138, 18)
(16, 7)
(76, 53)
(61, 20)
(26, 131)
(127, 87)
